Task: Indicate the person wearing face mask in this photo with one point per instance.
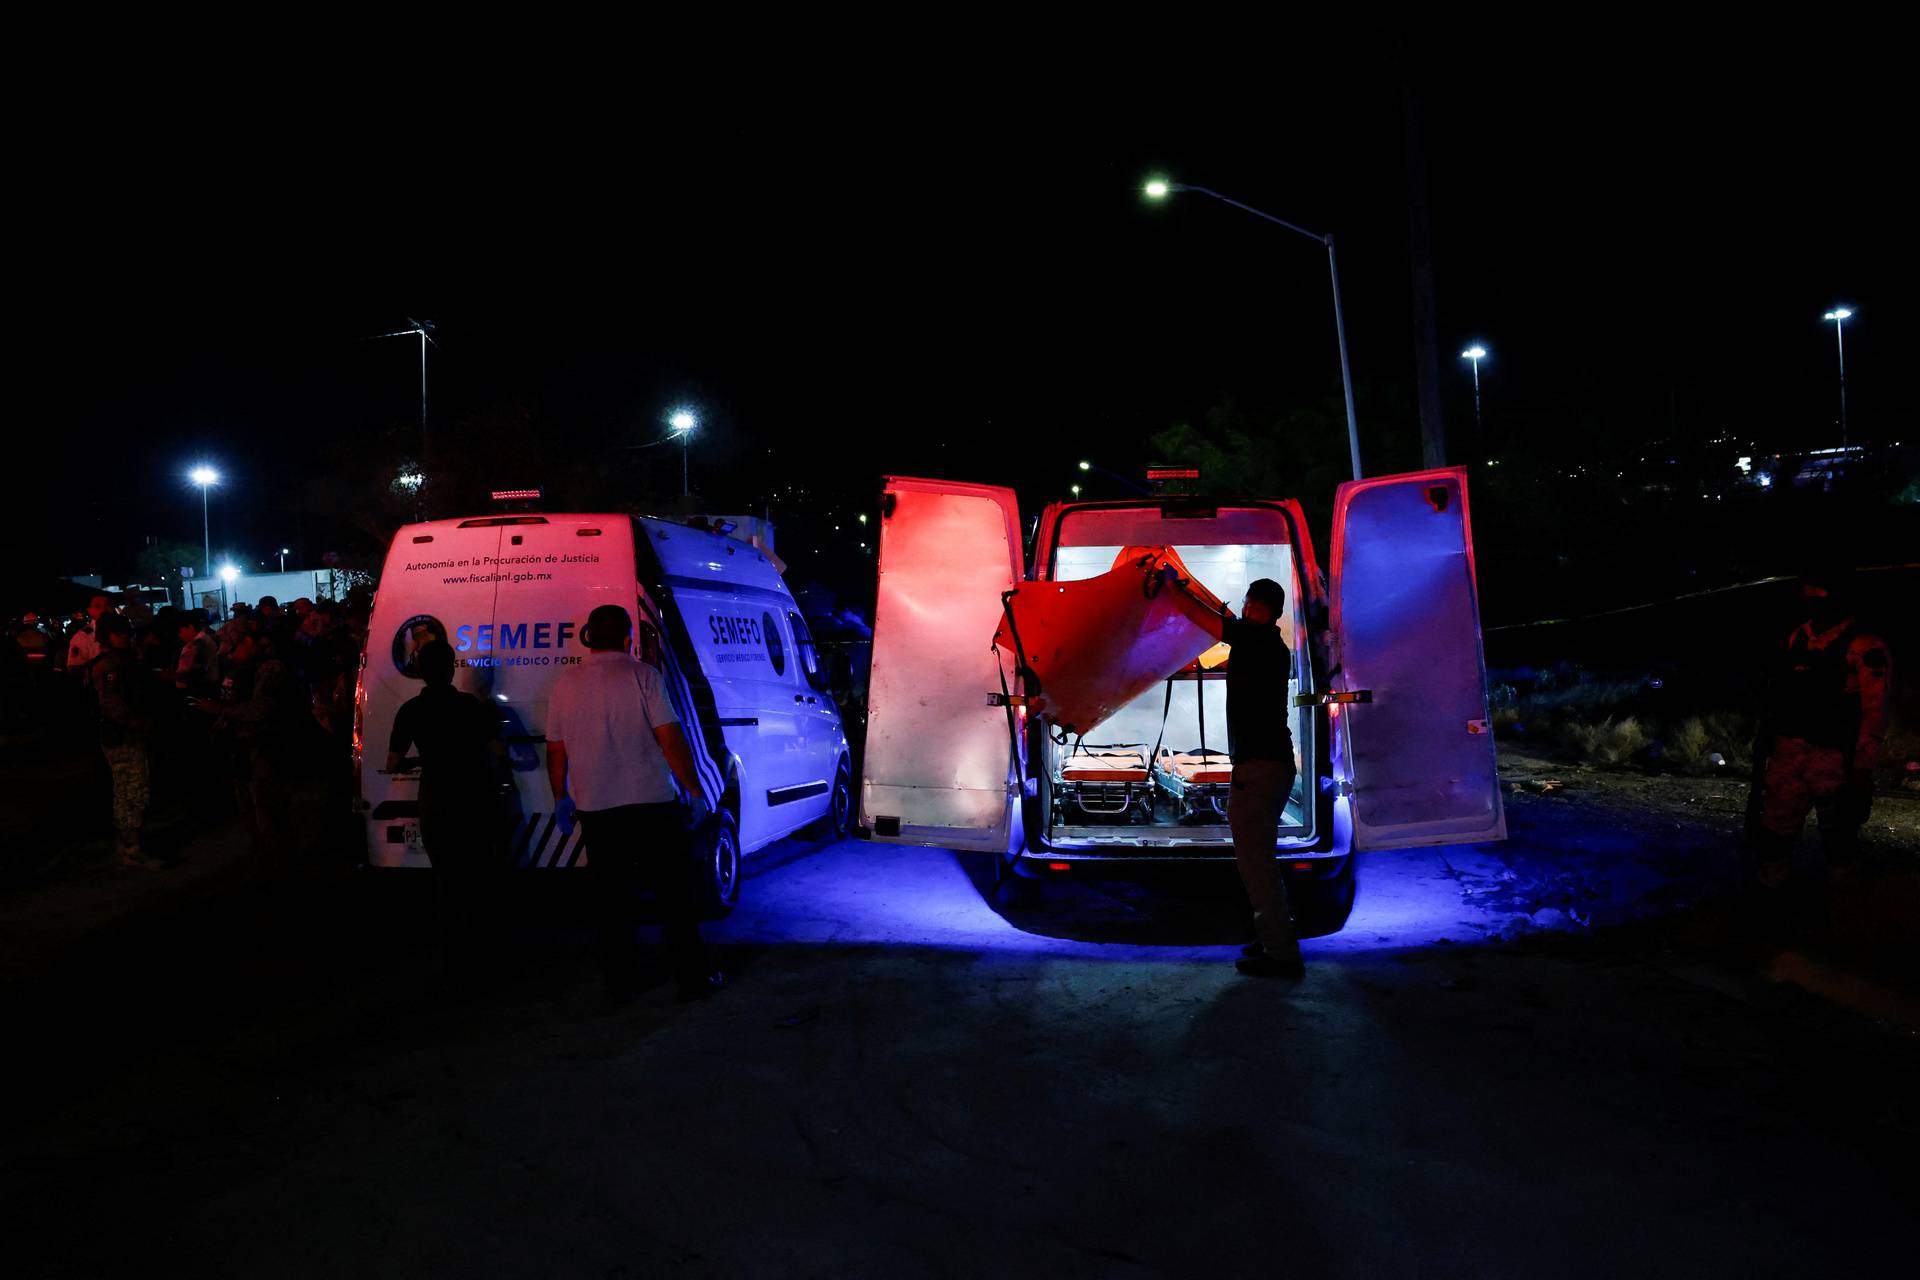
(1822, 729)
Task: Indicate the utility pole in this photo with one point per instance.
(1426, 325)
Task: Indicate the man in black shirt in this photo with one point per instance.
(459, 741)
(1261, 742)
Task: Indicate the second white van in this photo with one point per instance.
(510, 593)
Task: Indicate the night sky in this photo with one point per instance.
(902, 280)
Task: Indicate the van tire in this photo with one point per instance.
(839, 817)
(720, 864)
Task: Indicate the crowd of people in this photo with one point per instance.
(239, 717)
(198, 714)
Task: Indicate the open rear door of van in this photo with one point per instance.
(939, 757)
(1406, 630)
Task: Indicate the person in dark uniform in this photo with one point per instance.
(1823, 727)
(122, 695)
(258, 719)
(1260, 740)
(458, 738)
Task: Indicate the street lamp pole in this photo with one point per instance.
(1158, 190)
(682, 422)
(1475, 353)
(1840, 316)
(205, 477)
(424, 331)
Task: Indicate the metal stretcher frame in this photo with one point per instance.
(1109, 797)
(1195, 799)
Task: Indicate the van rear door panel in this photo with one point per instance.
(939, 756)
(1406, 629)
(437, 577)
(548, 577)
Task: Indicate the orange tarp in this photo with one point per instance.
(1098, 643)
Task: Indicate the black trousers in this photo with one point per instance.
(635, 846)
(466, 842)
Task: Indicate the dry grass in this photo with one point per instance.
(1609, 741)
(1620, 722)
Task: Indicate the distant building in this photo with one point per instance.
(248, 588)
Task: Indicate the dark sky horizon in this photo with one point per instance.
(857, 283)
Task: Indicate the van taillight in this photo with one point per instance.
(1059, 866)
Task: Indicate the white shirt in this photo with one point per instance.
(82, 649)
(604, 712)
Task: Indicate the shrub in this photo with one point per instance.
(1690, 743)
(1608, 741)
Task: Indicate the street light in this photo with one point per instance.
(227, 575)
(682, 422)
(1075, 489)
(1839, 316)
(205, 477)
(1160, 188)
(1475, 353)
(1114, 476)
(284, 552)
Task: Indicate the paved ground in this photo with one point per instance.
(253, 1076)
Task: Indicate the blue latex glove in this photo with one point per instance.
(563, 815)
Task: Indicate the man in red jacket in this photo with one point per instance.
(1825, 723)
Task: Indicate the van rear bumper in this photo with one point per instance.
(1126, 863)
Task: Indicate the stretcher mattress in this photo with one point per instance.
(1199, 768)
(1096, 644)
(1105, 764)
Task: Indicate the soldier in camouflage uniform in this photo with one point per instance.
(120, 692)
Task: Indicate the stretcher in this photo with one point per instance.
(1109, 781)
(1198, 781)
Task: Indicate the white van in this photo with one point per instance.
(511, 592)
(1390, 724)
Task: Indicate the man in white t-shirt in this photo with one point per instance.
(84, 646)
(614, 752)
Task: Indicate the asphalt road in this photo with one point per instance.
(268, 1077)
